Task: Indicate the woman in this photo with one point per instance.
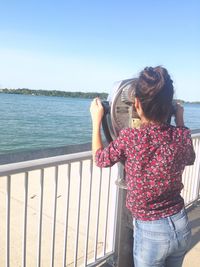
(155, 156)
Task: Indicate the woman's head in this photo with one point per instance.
(155, 90)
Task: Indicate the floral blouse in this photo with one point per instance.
(155, 156)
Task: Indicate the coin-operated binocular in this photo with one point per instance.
(119, 110)
(119, 113)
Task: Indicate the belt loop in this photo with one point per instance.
(183, 211)
(171, 223)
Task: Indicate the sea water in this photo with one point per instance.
(32, 122)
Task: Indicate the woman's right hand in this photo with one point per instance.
(179, 115)
(97, 111)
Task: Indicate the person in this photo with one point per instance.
(155, 156)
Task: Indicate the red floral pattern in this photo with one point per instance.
(155, 156)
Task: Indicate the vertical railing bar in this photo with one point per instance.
(78, 214)
(107, 208)
(198, 170)
(190, 184)
(198, 152)
(186, 185)
(198, 186)
(197, 160)
(195, 172)
(67, 215)
(88, 212)
(25, 219)
(97, 222)
(8, 196)
(193, 179)
(183, 193)
(54, 216)
(40, 216)
(116, 215)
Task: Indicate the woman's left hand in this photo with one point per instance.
(97, 111)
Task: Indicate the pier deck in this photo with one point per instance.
(193, 256)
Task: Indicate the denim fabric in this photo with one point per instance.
(161, 243)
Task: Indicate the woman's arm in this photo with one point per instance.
(188, 152)
(179, 115)
(97, 111)
(115, 151)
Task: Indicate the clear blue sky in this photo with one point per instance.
(88, 45)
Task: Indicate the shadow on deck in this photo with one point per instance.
(193, 256)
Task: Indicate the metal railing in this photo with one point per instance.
(57, 211)
(62, 210)
(191, 175)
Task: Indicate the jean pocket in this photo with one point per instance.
(151, 247)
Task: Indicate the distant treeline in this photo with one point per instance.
(90, 95)
(25, 91)
(187, 102)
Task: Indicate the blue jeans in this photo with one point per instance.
(161, 243)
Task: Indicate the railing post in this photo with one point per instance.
(124, 231)
(198, 175)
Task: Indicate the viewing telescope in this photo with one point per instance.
(120, 112)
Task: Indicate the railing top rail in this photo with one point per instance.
(196, 135)
(28, 165)
(24, 166)
(196, 131)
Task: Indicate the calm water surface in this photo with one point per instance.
(32, 122)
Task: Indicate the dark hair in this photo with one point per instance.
(155, 91)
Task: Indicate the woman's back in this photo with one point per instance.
(156, 155)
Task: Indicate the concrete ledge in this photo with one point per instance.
(43, 153)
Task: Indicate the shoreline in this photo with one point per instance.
(69, 94)
(57, 93)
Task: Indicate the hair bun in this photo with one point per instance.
(151, 75)
(153, 79)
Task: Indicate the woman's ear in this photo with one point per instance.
(136, 103)
(138, 107)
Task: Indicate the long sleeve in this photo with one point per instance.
(189, 153)
(114, 152)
